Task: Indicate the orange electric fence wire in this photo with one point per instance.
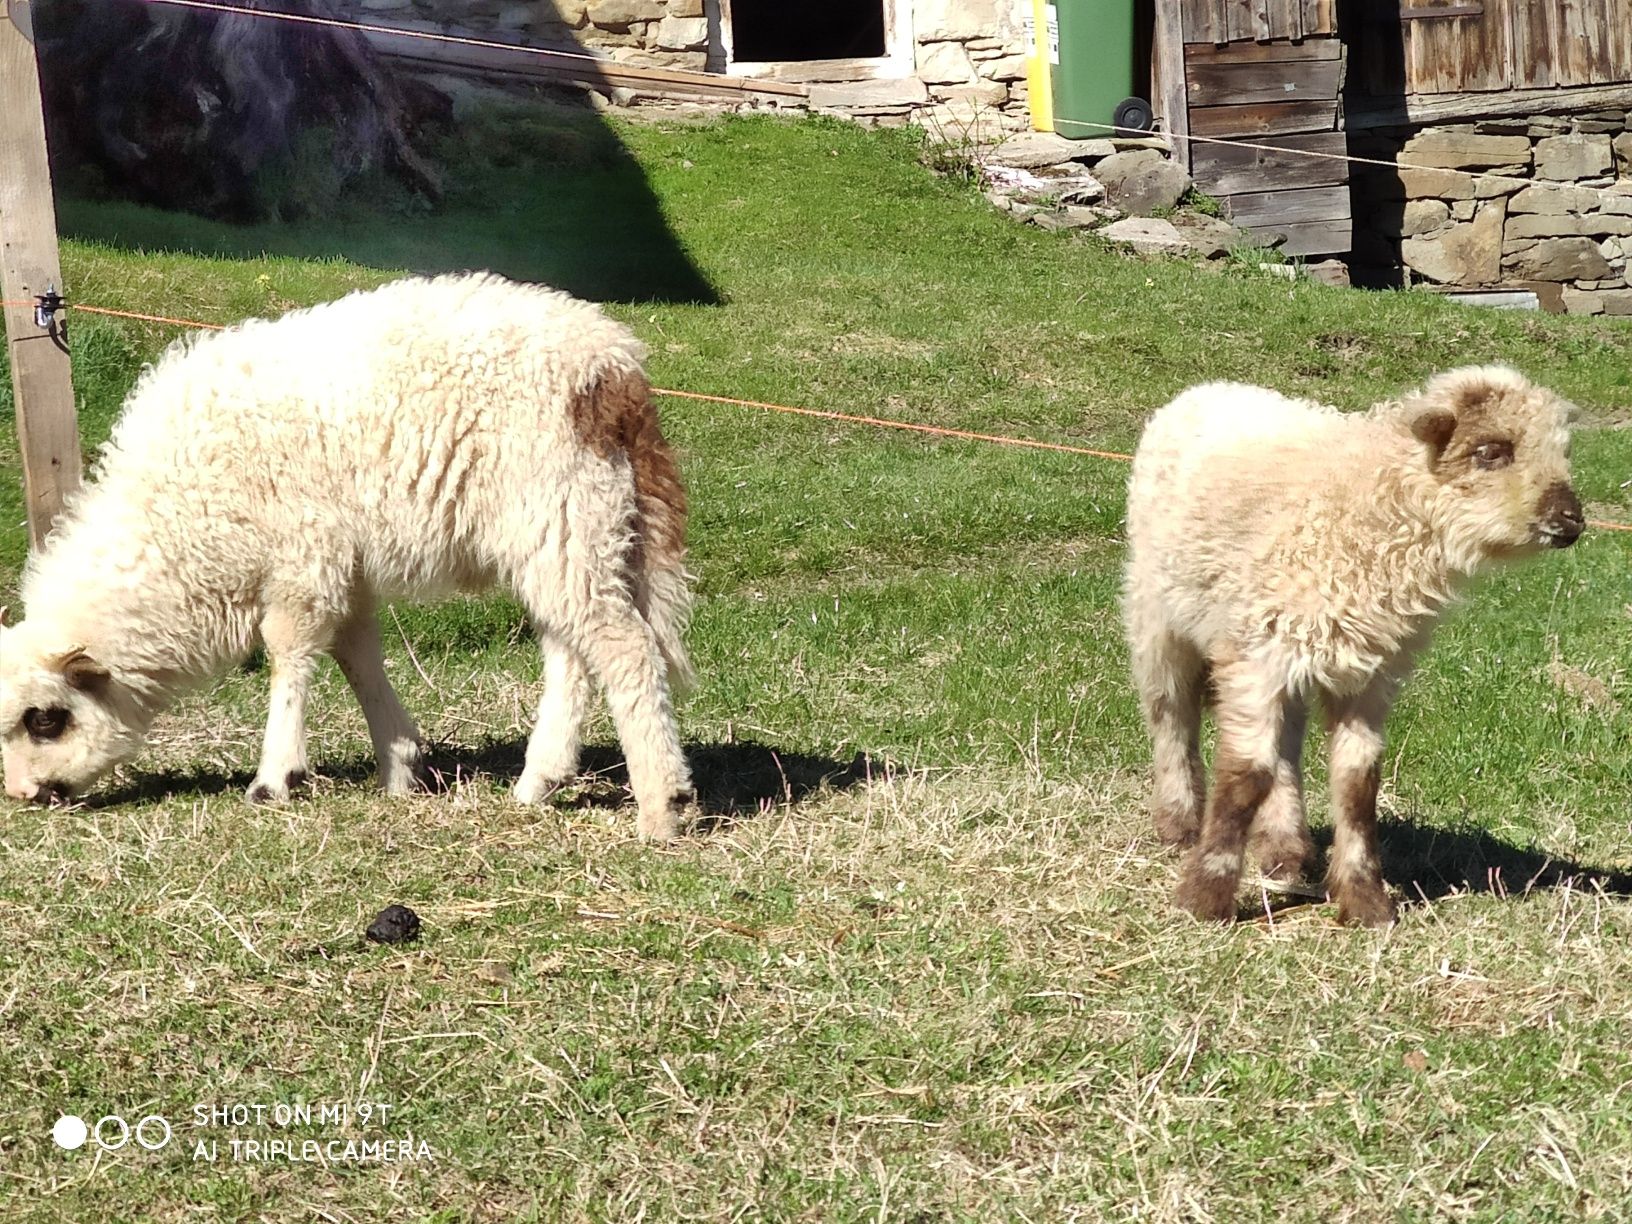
(939, 431)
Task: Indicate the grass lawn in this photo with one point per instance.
(923, 966)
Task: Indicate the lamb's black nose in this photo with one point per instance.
(52, 794)
(1562, 521)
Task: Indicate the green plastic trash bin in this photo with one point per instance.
(1092, 71)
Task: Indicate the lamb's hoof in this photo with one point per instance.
(410, 778)
(678, 816)
(530, 792)
(1209, 897)
(1367, 907)
(1286, 864)
(266, 792)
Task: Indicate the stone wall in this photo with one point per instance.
(967, 70)
(1544, 203)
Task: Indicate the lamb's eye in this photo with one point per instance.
(45, 724)
(1491, 455)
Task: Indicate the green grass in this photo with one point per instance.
(925, 966)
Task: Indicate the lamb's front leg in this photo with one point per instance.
(1354, 876)
(1280, 834)
(1250, 712)
(293, 642)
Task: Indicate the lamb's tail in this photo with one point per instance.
(661, 586)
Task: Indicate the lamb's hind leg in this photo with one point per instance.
(397, 745)
(1280, 835)
(1354, 875)
(1171, 677)
(1250, 711)
(293, 638)
(552, 749)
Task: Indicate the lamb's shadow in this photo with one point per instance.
(1429, 863)
(735, 781)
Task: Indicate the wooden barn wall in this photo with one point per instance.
(1485, 46)
(1282, 96)
(1226, 21)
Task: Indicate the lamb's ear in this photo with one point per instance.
(82, 672)
(1433, 423)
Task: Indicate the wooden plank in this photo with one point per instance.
(1460, 54)
(47, 427)
(1200, 20)
(1319, 18)
(1398, 110)
(1617, 25)
(1264, 119)
(1535, 34)
(1288, 207)
(1167, 78)
(1263, 20)
(564, 66)
(1264, 53)
(1238, 15)
(1586, 44)
(1224, 169)
(1239, 84)
(1333, 237)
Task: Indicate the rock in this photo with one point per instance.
(1463, 150)
(1593, 225)
(1578, 302)
(619, 14)
(1462, 210)
(1146, 235)
(1071, 217)
(682, 33)
(906, 91)
(1329, 272)
(1424, 217)
(394, 924)
(1005, 68)
(1469, 254)
(1209, 236)
(1567, 158)
(1559, 259)
(1445, 184)
(1034, 150)
(1553, 200)
(933, 20)
(977, 93)
(1622, 146)
(1141, 182)
(944, 63)
(677, 8)
(1080, 189)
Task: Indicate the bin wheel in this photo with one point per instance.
(1134, 114)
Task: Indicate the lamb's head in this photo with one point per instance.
(1499, 451)
(65, 720)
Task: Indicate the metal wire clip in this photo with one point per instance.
(46, 306)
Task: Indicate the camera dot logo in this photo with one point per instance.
(70, 1132)
(111, 1132)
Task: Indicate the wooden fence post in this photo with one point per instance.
(47, 427)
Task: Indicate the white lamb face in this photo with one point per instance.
(1500, 446)
(59, 722)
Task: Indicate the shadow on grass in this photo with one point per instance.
(1427, 863)
(735, 782)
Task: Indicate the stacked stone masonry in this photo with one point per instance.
(1543, 202)
(967, 71)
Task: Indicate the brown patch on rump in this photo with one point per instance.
(616, 414)
(1238, 790)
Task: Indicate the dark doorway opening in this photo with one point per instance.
(807, 29)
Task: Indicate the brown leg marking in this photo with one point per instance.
(1354, 878)
(1212, 870)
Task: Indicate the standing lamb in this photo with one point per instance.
(275, 482)
(1279, 549)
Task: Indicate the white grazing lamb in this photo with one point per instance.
(274, 482)
(1279, 549)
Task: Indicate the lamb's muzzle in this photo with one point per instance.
(1561, 519)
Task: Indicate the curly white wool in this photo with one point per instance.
(272, 483)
